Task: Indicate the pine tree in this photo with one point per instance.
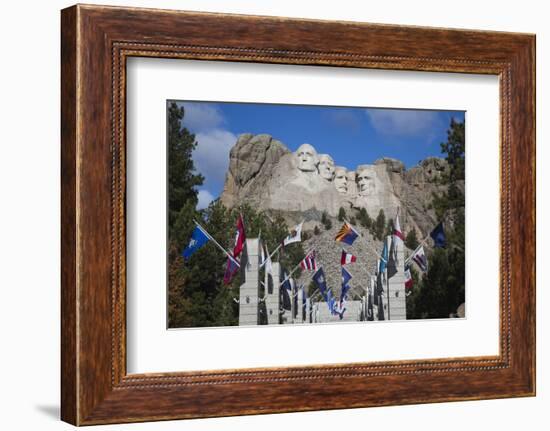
(411, 241)
(341, 214)
(380, 225)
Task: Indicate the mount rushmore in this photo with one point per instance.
(263, 172)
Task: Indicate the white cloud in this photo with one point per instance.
(402, 122)
(211, 156)
(205, 197)
(200, 117)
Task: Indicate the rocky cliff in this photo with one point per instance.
(301, 185)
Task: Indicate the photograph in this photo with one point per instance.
(282, 214)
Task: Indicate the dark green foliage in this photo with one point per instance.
(364, 218)
(389, 227)
(411, 241)
(380, 225)
(439, 292)
(181, 143)
(341, 214)
(327, 223)
(454, 149)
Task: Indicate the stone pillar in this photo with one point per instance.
(395, 293)
(248, 296)
(272, 298)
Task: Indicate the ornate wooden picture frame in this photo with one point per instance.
(96, 41)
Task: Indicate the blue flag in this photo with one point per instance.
(198, 239)
(320, 281)
(346, 277)
(438, 235)
(286, 292)
(384, 260)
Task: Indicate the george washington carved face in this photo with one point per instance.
(307, 158)
(326, 167)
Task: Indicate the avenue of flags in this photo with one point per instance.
(386, 264)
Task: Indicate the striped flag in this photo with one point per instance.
(419, 257)
(308, 263)
(347, 258)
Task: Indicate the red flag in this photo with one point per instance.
(408, 278)
(347, 258)
(230, 270)
(397, 229)
(240, 238)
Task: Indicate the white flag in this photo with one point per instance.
(295, 235)
(266, 259)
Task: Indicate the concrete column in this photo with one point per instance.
(248, 297)
(396, 298)
(272, 299)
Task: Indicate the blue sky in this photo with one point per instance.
(352, 136)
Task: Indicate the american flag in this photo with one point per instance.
(308, 263)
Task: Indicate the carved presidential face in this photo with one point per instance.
(340, 179)
(326, 167)
(307, 158)
(365, 181)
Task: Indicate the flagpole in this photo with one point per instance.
(366, 242)
(217, 243)
(271, 255)
(408, 259)
(294, 269)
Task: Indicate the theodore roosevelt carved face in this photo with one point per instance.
(340, 179)
(326, 167)
(307, 158)
(365, 180)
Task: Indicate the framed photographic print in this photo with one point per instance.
(343, 210)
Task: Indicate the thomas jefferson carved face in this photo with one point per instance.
(340, 179)
(365, 180)
(326, 167)
(307, 158)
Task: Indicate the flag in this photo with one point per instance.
(380, 309)
(308, 263)
(408, 278)
(397, 234)
(370, 308)
(419, 257)
(265, 259)
(347, 258)
(304, 303)
(346, 234)
(198, 239)
(240, 237)
(331, 302)
(286, 292)
(294, 236)
(231, 269)
(392, 259)
(438, 235)
(346, 277)
(320, 281)
(384, 261)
